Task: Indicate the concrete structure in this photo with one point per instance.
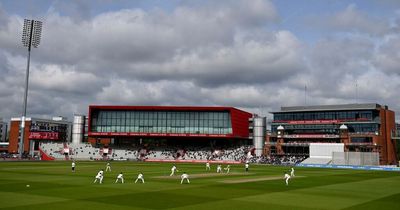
(259, 134)
(361, 127)
(78, 129)
(38, 130)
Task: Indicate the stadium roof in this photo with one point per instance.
(340, 107)
(166, 108)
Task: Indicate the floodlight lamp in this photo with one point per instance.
(31, 33)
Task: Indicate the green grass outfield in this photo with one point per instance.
(53, 186)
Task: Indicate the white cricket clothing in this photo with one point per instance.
(227, 169)
(120, 177)
(292, 172)
(173, 169)
(287, 177)
(219, 169)
(183, 177)
(208, 166)
(73, 164)
(99, 177)
(140, 177)
(108, 167)
(100, 173)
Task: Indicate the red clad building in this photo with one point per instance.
(167, 122)
(38, 130)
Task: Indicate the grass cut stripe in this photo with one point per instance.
(52, 185)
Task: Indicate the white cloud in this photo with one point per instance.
(354, 20)
(62, 79)
(208, 54)
(351, 19)
(388, 55)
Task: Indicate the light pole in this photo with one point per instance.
(30, 37)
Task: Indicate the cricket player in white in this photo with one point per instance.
(208, 166)
(292, 172)
(99, 177)
(287, 177)
(185, 176)
(120, 177)
(227, 169)
(247, 167)
(108, 167)
(219, 169)
(173, 170)
(73, 166)
(140, 176)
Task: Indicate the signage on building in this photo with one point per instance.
(311, 136)
(314, 122)
(157, 134)
(44, 135)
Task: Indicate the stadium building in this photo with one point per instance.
(38, 131)
(3, 136)
(174, 125)
(3, 131)
(360, 127)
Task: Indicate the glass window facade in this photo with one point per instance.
(327, 128)
(361, 140)
(370, 121)
(195, 122)
(363, 128)
(327, 115)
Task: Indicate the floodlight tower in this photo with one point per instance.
(30, 37)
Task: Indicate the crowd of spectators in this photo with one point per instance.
(278, 159)
(237, 154)
(25, 156)
(240, 153)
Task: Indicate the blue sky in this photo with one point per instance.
(252, 54)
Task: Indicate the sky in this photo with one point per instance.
(251, 54)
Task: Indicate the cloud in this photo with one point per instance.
(61, 79)
(171, 56)
(353, 20)
(350, 70)
(3, 17)
(245, 61)
(201, 54)
(388, 56)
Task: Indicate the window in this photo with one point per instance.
(361, 140)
